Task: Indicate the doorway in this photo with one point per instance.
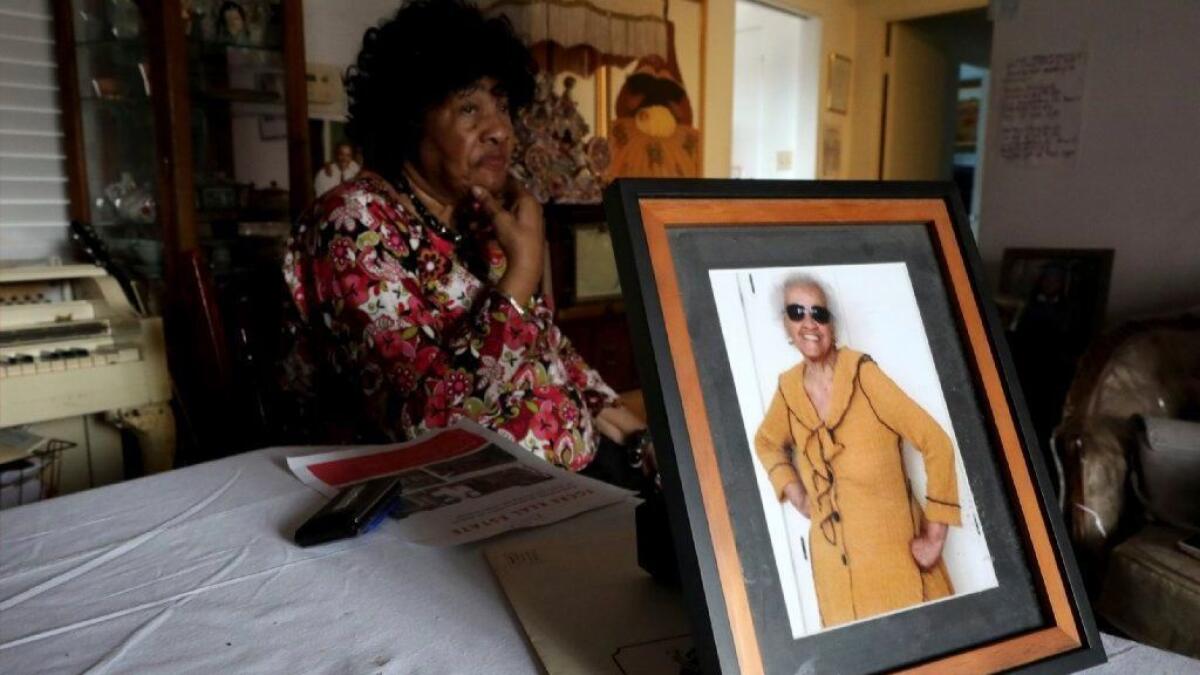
(935, 101)
(776, 93)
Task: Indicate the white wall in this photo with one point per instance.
(333, 29)
(1134, 184)
(837, 37)
(776, 92)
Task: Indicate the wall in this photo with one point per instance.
(837, 18)
(777, 97)
(1133, 184)
(333, 29)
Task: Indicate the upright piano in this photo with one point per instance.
(71, 344)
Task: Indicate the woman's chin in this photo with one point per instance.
(814, 352)
(492, 180)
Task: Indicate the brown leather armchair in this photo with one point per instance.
(1141, 582)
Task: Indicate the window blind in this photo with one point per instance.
(33, 183)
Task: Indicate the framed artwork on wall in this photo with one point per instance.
(837, 84)
(852, 481)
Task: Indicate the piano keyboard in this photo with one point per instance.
(71, 358)
(71, 344)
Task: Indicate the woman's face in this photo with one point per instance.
(468, 141)
(813, 339)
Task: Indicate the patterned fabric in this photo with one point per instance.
(397, 333)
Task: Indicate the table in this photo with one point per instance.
(194, 571)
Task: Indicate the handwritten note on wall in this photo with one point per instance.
(1040, 108)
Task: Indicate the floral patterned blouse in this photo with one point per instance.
(397, 332)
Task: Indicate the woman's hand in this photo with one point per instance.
(795, 493)
(619, 424)
(521, 231)
(927, 548)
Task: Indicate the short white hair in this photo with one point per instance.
(804, 279)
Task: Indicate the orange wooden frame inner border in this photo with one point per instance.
(658, 216)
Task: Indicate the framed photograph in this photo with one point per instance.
(272, 127)
(583, 268)
(837, 84)
(969, 102)
(1051, 303)
(852, 482)
(269, 82)
(1074, 280)
(831, 152)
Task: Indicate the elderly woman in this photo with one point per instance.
(416, 283)
(830, 444)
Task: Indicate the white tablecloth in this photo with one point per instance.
(194, 571)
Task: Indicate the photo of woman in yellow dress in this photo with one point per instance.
(830, 444)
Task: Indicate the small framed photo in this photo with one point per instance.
(837, 85)
(831, 152)
(272, 127)
(581, 255)
(852, 481)
(269, 82)
(1069, 283)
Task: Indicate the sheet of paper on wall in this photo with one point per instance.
(587, 607)
(595, 264)
(460, 484)
(1041, 108)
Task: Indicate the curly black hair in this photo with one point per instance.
(415, 61)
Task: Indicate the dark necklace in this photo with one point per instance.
(453, 236)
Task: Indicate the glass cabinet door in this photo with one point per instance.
(241, 162)
(228, 181)
(237, 80)
(117, 123)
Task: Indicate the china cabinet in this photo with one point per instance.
(185, 126)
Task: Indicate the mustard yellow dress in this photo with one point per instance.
(863, 511)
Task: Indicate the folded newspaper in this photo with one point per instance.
(461, 484)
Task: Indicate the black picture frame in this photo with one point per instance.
(666, 234)
(1086, 276)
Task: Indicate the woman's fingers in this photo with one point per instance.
(794, 492)
(493, 208)
(521, 231)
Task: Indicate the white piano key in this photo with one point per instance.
(126, 354)
(44, 308)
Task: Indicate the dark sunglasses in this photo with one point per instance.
(819, 314)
